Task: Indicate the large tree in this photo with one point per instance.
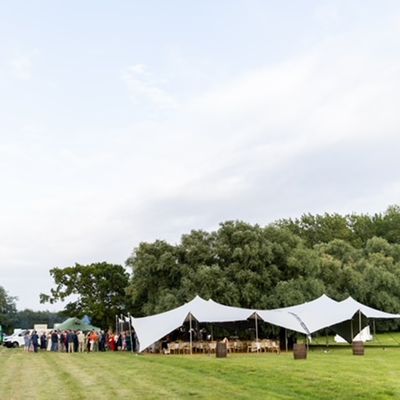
(239, 264)
(7, 309)
(97, 290)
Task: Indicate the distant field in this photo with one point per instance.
(333, 374)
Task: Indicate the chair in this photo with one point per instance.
(184, 348)
(254, 347)
(173, 348)
(212, 347)
(275, 346)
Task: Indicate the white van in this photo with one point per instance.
(16, 339)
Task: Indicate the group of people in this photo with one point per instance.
(71, 341)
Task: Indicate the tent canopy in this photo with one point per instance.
(369, 312)
(346, 318)
(75, 324)
(305, 318)
(150, 329)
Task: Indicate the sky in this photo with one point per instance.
(130, 121)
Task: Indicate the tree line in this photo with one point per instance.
(247, 265)
(11, 318)
(287, 262)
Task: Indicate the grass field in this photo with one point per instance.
(335, 374)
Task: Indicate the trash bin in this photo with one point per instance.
(299, 351)
(221, 350)
(358, 348)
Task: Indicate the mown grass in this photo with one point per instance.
(333, 374)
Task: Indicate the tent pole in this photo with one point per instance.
(256, 329)
(351, 330)
(130, 332)
(116, 323)
(374, 328)
(190, 332)
(326, 338)
(286, 340)
(359, 323)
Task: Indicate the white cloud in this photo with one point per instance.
(21, 67)
(317, 132)
(144, 88)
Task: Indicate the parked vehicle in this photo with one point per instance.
(16, 339)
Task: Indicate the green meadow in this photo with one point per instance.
(332, 374)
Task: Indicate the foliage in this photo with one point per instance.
(285, 263)
(98, 290)
(7, 309)
(26, 319)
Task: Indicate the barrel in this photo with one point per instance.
(299, 351)
(221, 350)
(358, 348)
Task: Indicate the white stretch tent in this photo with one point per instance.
(369, 312)
(150, 329)
(306, 318)
(347, 317)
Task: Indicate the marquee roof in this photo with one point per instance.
(305, 318)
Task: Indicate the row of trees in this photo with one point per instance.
(279, 265)
(284, 263)
(10, 317)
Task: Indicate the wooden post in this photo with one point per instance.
(351, 330)
(130, 332)
(190, 331)
(286, 341)
(256, 327)
(374, 328)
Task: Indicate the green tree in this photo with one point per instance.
(7, 309)
(97, 290)
(27, 318)
(156, 273)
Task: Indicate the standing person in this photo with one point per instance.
(49, 341)
(35, 341)
(43, 341)
(102, 343)
(94, 341)
(81, 342)
(62, 344)
(118, 341)
(110, 341)
(88, 344)
(70, 341)
(124, 344)
(76, 342)
(27, 340)
(54, 341)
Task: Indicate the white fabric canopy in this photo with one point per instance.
(369, 312)
(305, 318)
(150, 329)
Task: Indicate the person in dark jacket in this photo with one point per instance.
(62, 341)
(76, 341)
(43, 341)
(35, 341)
(54, 341)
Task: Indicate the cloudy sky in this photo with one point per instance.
(128, 121)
